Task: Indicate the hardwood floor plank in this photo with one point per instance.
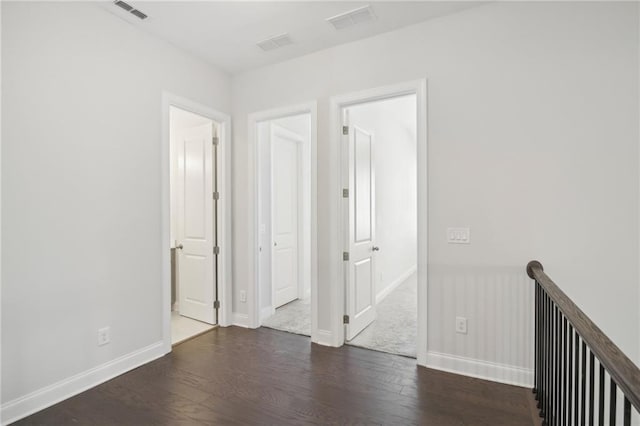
(257, 377)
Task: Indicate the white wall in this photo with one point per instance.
(393, 125)
(81, 198)
(533, 144)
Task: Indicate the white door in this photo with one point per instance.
(285, 211)
(361, 297)
(195, 230)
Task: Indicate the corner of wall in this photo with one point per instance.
(240, 320)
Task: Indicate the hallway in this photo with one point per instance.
(239, 376)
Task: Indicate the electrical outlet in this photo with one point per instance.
(243, 296)
(461, 325)
(104, 336)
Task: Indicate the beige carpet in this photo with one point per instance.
(395, 329)
(294, 317)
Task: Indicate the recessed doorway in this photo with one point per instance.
(356, 250)
(381, 285)
(285, 219)
(196, 279)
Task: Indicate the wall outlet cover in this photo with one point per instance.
(461, 325)
(104, 336)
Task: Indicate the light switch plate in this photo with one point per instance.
(458, 236)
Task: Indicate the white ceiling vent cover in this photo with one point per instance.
(275, 42)
(353, 17)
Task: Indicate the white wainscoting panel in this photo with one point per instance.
(498, 304)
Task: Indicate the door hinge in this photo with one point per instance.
(345, 193)
(345, 130)
(216, 195)
(216, 304)
(216, 250)
(345, 319)
(345, 255)
(215, 140)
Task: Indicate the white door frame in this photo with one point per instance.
(300, 211)
(253, 289)
(223, 170)
(339, 208)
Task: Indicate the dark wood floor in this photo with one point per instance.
(267, 377)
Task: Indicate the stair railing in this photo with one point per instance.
(579, 373)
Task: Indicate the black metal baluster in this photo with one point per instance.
(535, 342)
(612, 403)
(592, 380)
(540, 347)
(575, 379)
(627, 412)
(556, 411)
(564, 371)
(552, 364)
(601, 398)
(583, 378)
(542, 390)
(547, 356)
(546, 365)
(570, 388)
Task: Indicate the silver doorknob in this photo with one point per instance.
(179, 246)
(275, 244)
(374, 248)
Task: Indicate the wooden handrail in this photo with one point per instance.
(621, 369)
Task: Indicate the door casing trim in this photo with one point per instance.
(253, 289)
(339, 226)
(224, 212)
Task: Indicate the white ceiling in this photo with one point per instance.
(225, 33)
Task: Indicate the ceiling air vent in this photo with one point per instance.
(139, 14)
(275, 42)
(353, 17)
(124, 5)
(130, 9)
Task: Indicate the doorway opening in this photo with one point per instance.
(283, 149)
(194, 196)
(380, 147)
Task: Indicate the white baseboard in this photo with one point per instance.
(266, 313)
(323, 337)
(402, 278)
(64, 389)
(486, 370)
(241, 320)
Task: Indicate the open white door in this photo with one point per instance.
(361, 296)
(195, 230)
(285, 213)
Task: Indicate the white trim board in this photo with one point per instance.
(64, 389)
(253, 226)
(395, 283)
(495, 372)
(224, 209)
(323, 337)
(241, 320)
(336, 212)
